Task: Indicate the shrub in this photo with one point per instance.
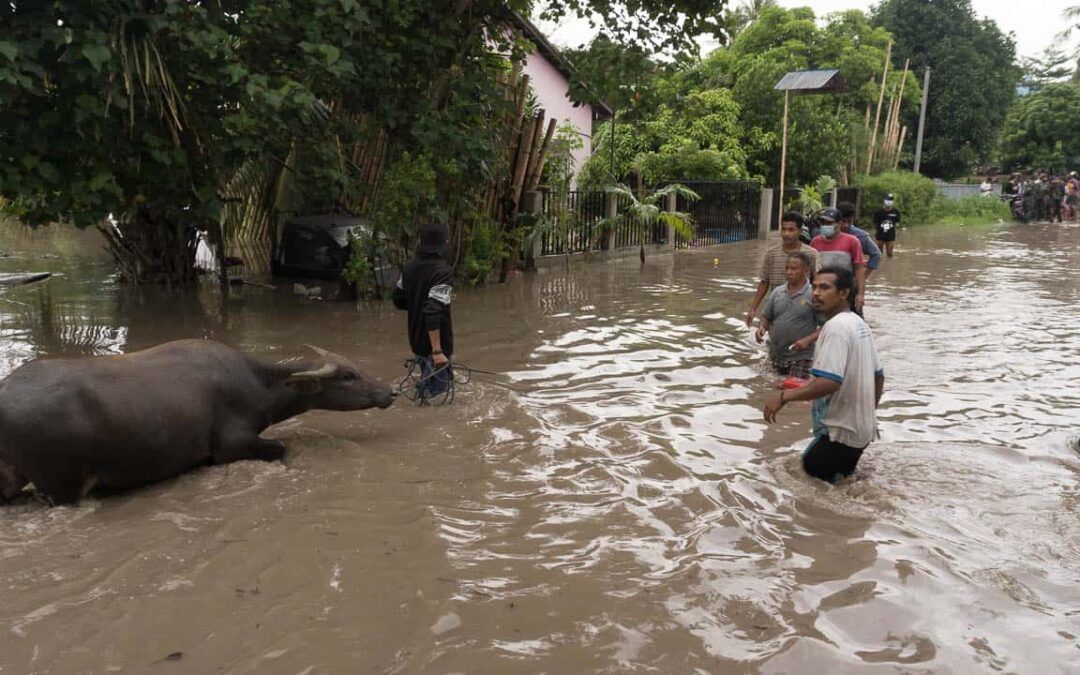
(971, 210)
(915, 195)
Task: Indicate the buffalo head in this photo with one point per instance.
(339, 385)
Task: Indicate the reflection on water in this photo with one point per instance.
(611, 502)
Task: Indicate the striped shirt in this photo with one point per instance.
(772, 264)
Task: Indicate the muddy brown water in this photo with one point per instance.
(610, 502)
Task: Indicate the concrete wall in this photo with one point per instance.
(552, 89)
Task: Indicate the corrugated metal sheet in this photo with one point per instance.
(811, 80)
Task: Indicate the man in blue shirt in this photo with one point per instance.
(870, 250)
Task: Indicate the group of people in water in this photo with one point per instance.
(810, 300)
(1042, 196)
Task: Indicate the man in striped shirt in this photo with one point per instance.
(771, 272)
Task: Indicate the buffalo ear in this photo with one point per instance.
(304, 385)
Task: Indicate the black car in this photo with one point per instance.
(317, 247)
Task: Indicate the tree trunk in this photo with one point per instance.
(149, 247)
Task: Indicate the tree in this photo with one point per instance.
(646, 211)
(150, 111)
(1041, 131)
(747, 13)
(623, 77)
(973, 78)
(823, 129)
(696, 137)
(1053, 66)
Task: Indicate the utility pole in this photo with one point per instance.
(922, 119)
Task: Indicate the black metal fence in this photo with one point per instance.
(576, 223)
(572, 221)
(726, 211)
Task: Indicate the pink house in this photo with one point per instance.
(550, 74)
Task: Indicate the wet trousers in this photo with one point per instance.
(434, 380)
(828, 460)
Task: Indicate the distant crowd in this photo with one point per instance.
(1041, 196)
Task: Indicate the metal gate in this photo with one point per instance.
(727, 211)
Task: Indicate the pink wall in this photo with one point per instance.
(551, 89)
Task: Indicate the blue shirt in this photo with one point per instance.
(869, 248)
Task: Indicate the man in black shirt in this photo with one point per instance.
(424, 292)
(886, 221)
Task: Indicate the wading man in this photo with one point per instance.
(788, 317)
(886, 220)
(871, 251)
(424, 292)
(771, 271)
(841, 250)
(847, 383)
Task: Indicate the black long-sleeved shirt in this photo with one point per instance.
(424, 292)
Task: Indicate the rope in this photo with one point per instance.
(417, 387)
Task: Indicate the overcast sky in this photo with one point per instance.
(1034, 23)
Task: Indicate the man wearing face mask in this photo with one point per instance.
(886, 221)
(838, 249)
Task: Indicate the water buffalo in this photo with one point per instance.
(115, 422)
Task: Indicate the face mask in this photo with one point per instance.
(828, 231)
(888, 203)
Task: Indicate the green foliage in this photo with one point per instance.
(721, 118)
(920, 203)
(624, 77)
(646, 211)
(696, 138)
(971, 210)
(972, 82)
(914, 194)
(559, 168)
(358, 268)
(484, 250)
(408, 197)
(160, 106)
(812, 197)
(1041, 131)
(558, 220)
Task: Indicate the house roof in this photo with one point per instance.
(811, 80)
(556, 58)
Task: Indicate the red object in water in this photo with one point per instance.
(793, 383)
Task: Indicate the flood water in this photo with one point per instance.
(610, 501)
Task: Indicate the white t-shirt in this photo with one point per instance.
(845, 353)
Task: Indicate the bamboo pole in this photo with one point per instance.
(521, 162)
(877, 115)
(544, 147)
(534, 151)
(899, 147)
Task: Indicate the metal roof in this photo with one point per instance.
(811, 80)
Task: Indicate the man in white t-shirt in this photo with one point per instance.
(847, 385)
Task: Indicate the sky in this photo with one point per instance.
(1033, 23)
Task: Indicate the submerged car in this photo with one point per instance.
(318, 247)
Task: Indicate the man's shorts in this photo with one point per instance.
(794, 368)
(828, 460)
(886, 236)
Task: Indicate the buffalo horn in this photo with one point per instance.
(325, 372)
